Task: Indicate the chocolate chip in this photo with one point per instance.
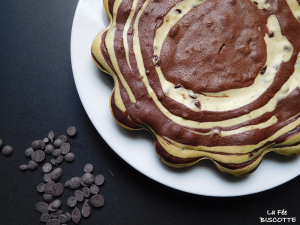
(63, 138)
(59, 159)
(88, 168)
(256, 3)
(70, 157)
(68, 215)
(79, 195)
(263, 70)
(192, 95)
(178, 86)
(76, 215)
(45, 218)
(99, 179)
(67, 184)
(49, 149)
(197, 103)
(56, 214)
(47, 177)
(86, 192)
(156, 60)
(58, 142)
(41, 187)
(38, 156)
(88, 178)
(47, 167)
(23, 167)
(7, 150)
(56, 152)
(82, 183)
(75, 182)
(47, 197)
(97, 200)
(65, 148)
(178, 10)
(29, 152)
(57, 189)
(1, 143)
(86, 209)
(271, 34)
(32, 165)
(51, 136)
(53, 222)
(71, 131)
(46, 140)
(53, 162)
(41, 207)
(55, 204)
(94, 189)
(56, 174)
(287, 48)
(62, 218)
(72, 201)
(38, 145)
(49, 186)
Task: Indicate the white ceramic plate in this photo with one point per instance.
(136, 147)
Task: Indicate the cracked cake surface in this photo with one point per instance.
(210, 79)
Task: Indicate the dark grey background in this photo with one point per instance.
(38, 94)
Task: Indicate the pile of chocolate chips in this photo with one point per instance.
(7, 149)
(60, 150)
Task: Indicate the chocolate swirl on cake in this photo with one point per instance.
(210, 79)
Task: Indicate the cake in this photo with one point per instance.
(210, 79)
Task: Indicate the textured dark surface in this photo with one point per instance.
(38, 94)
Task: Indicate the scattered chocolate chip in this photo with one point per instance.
(72, 201)
(38, 156)
(41, 187)
(97, 200)
(178, 86)
(58, 142)
(46, 140)
(23, 167)
(79, 195)
(271, 34)
(70, 157)
(88, 168)
(41, 207)
(65, 148)
(156, 60)
(68, 215)
(47, 177)
(76, 215)
(55, 204)
(56, 214)
(88, 178)
(59, 159)
(1, 143)
(82, 183)
(29, 152)
(38, 145)
(56, 152)
(71, 131)
(86, 192)
(47, 197)
(94, 189)
(45, 218)
(99, 179)
(56, 174)
(53, 162)
(86, 209)
(62, 218)
(32, 165)
(67, 184)
(47, 167)
(75, 183)
(63, 138)
(53, 222)
(51, 136)
(49, 149)
(49, 186)
(263, 70)
(7, 150)
(57, 189)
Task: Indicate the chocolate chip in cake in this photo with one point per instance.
(41, 187)
(29, 152)
(86, 192)
(38, 145)
(156, 60)
(86, 209)
(88, 178)
(192, 95)
(94, 189)
(71, 201)
(47, 197)
(57, 143)
(47, 167)
(45, 217)
(71, 131)
(76, 215)
(79, 195)
(178, 10)
(263, 70)
(23, 167)
(271, 34)
(38, 156)
(56, 174)
(41, 207)
(70, 157)
(197, 103)
(56, 152)
(57, 189)
(62, 218)
(51, 136)
(97, 200)
(287, 48)
(99, 179)
(7, 150)
(53, 222)
(49, 149)
(88, 168)
(178, 86)
(32, 165)
(65, 148)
